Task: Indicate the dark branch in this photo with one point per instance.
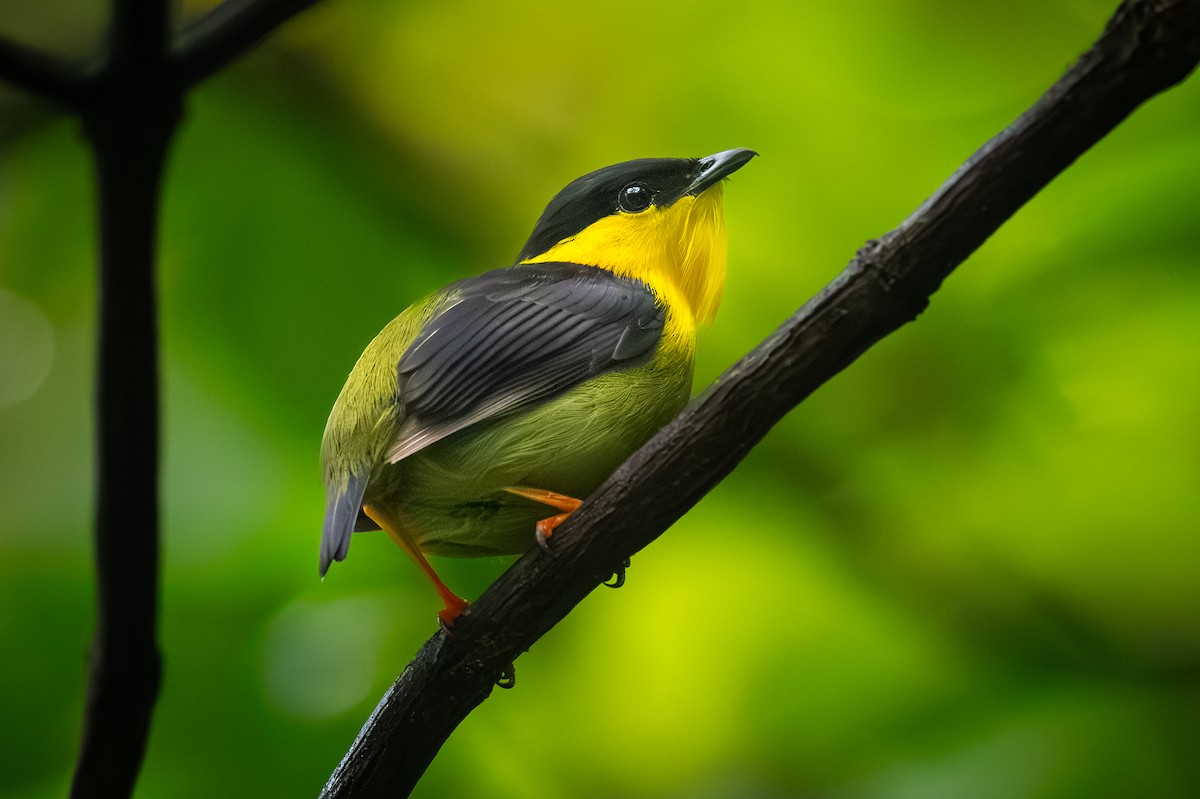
(41, 73)
(140, 32)
(130, 110)
(1148, 46)
(124, 668)
(227, 32)
(129, 117)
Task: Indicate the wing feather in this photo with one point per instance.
(515, 337)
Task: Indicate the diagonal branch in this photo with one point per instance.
(227, 32)
(1148, 46)
(41, 73)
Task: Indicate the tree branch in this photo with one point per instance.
(129, 117)
(41, 73)
(130, 104)
(139, 32)
(227, 32)
(1148, 46)
(130, 110)
(124, 670)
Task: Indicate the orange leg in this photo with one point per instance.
(545, 528)
(388, 521)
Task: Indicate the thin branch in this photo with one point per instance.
(140, 32)
(41, 73)
(129, 117)
(130, 103)
(129, 113)
(124, 669)
(227, 32)
(1148, 46)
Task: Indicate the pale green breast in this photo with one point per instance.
(450, 495)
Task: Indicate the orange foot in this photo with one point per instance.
(455, 606)
(546, 527)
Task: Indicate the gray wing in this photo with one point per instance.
(515, 337)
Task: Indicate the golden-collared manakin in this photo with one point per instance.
(476, 420)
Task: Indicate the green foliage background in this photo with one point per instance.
(969, 566)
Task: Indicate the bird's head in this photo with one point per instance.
(658, 220)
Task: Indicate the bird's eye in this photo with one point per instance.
(634, 198)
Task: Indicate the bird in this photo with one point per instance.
(478, 419)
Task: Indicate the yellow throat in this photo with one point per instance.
(678, 251)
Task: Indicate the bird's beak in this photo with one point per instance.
(718, 166)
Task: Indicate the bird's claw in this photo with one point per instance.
(618, 577)
(447, 615)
